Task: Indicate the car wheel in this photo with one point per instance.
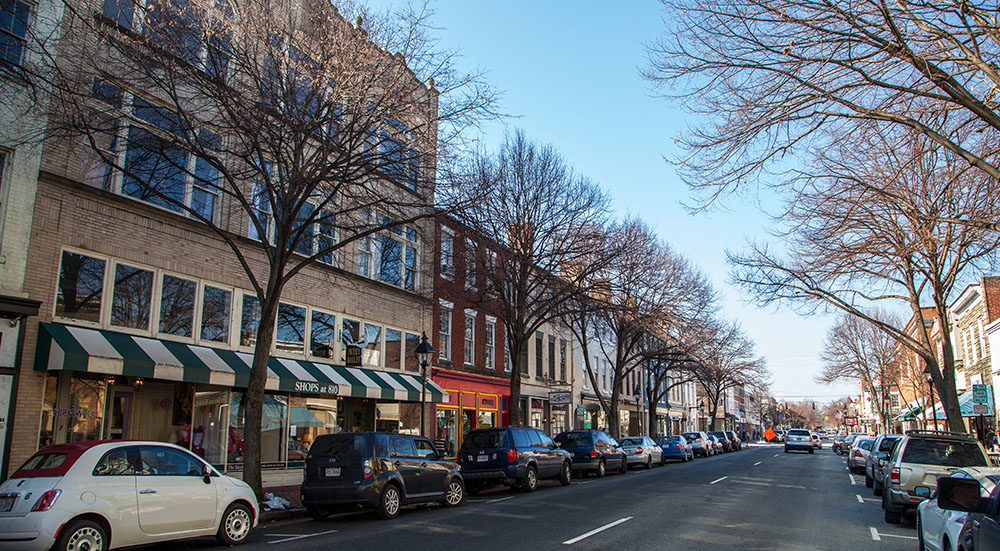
(811, 451)
(602, 469)
(893, 517)
(566, 475)
(623, 466)
(649, 462)
(82, 534)
(663, 460)
(869, 481)
(786, 449)
(319, 513)
(876, 488)
(389, 502)
(454, 494)
(529, 483)
(237, 522)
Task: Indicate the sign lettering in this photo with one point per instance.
(559, 397)
(352, 356)
(317, 388)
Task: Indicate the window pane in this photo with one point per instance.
(215, 314)
(209, 439)
(350, 334)
(249, 320)
(133, 295)
(410, 269)
(203, 203)
(373, 338)
(291, 327)
(177, 306)
(120, 12)
(81, 285)
(327, 237)
(114, 463)
(162, 461)
(302, 222)
(393, 347)
(410, 358)
(323, 334)
(154, 170)
(389, 260)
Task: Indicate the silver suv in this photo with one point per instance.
(799, 439)
(917, 460)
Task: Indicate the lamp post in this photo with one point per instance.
(423, 354)
(701, 413)
(638, 408)
(930, 384)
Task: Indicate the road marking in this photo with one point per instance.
(861, 500)
(596, 531)
(898, 536)
(875, 534)
(500, 499)
(757, 463)
(776, 455)
(719, 480)
(853, 483)
(302, 536)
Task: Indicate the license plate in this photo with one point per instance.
(482, 458)
(332, 472)
(6, 504)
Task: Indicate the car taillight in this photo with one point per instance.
(512, 455)
(367, 464)
(593, 453)
(857, 453)
(638, 451)
(894, 476)
(677, 446)
(48, 499)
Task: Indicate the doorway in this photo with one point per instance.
(120, 411)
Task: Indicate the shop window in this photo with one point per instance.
(73, 409)
(410, 356)
(373, 345)
(215, 310)
(309, 417)
(177, 297)
(209, 439)
(290, 331)
(444, 334)
(164, 461)
(469, 348)
(398, 417)
(322, 334)
(249, 320)
(81, 287)
(393, 348)
(272, 427)
(132, 297)
(350, 335)
(490, 345)
(446, 432)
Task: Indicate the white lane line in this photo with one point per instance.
(897, 536)
(757, 463)
(500, 499)
(853, 483)
(302, 536)
(875, 534)
(776, 455)
(861, 500)
(718, 480)
(596, 531)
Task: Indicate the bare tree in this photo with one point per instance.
(780, 77)
(854, 250)
(287, 131)
(550, 223)
(859, 351)
(730, 360)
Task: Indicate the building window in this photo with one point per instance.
(470, 264)
(290, 330)
(81, 287)
(177, 298)
(507, 360)
(132, 298)
(393, 348)
(13, 31)
(372, 354)
(584, 375)
(250, 320)
(444, 332)
(470, 340)
(410, 362)
(322, 334)
(350, 335)
(365, 257)
(539, 355)
(488, 361)
(215, 311)
(562, 359)
(552, 357)
(391, 256)
(447, 252)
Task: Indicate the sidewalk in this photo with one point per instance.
(291, 493)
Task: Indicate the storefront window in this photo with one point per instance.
(322, 334)
(398, 417)
(250, 320)
(209, 436)
(446, 431)
(373, 338)
(309, 417)
(272, 428)
(73, 409)
(215, 314)
(132, 297)
(177, 306)
(291, 328)
(81, 286)
(350, 334)
(559, 416)
(487, 419)
(393, 348)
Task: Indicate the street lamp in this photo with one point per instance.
(423, 354)
(638, 407)
(930, 384)
(701, 412)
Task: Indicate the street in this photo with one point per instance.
(758, 498)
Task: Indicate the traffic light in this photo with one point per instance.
(814, 406)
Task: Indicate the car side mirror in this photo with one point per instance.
(922, 491)
(958, 494)
(206, 474)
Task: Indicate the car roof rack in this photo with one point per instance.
(918, 432)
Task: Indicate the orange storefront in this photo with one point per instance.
(475, 401)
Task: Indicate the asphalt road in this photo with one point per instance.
(758, 498)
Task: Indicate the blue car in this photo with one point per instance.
(676, 447)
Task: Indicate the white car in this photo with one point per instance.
(938, 529)
(641, 450)
(94, 496)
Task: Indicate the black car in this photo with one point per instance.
(593, 451)
(380, 470)
(512, 455)
(982, 524)
(727, 444)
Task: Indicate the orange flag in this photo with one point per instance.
(769, 434)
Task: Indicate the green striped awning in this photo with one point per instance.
(69, 348)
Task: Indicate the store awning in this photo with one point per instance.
(69, 348)
(964, 402)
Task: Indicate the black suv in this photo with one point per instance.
(380, 470)
(593, 451)
(512, 455)
(727, 442)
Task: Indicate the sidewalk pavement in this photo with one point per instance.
(291, 493)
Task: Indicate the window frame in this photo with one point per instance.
(447, 260)
(469, 340)
(11, 65)
(489, 337)
(105, 289)
(444, 337)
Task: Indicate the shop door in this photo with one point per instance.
(468, 421)
(121, 408)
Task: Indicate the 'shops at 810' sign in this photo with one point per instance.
(317, 388)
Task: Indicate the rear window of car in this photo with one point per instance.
(886, 444)
(485, 439)
(866, 444)
(670, 439)
(574, 440)
(44, 461)
(794, 432)
(341, 446)
(692, 436)
(631, 441)
(944, 452)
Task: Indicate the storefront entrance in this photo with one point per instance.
(474, 402)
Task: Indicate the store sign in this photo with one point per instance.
(559, 397)
(238, 467)
(488, 402)
(980, 394)
(352, 356)
(317, 388)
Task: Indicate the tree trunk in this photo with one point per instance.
(514, 412)
(712, 411)
(254, 396)
(651, 420)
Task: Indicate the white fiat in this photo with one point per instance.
(93, 496)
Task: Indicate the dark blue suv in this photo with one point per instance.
(593, 451)
(512, 455)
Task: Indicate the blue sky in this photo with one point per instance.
(570, 72)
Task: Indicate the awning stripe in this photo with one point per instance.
(62, 347)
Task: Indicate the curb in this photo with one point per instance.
(282, 514)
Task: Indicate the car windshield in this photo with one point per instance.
(630, 441)
(342, 446)
(485, 439)
(944, 452)
(574, 440)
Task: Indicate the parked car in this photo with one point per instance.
(81, 495)
(799, 439)
(593, 451)
(859, 453)
(981, 529)
(727, 444)
(938, 529)
(918, 460)
(779, 436)
(838, 441)
(817, 441)
(641, 450)
(737, 441)
(384, 471)
(676, 447)
(514, 455)
(700, 444)
(717, 446)
(877, 459)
